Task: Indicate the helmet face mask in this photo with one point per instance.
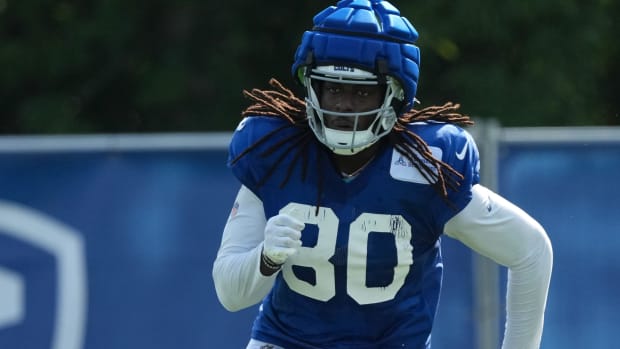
(366, 127)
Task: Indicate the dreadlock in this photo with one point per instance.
(282, 103)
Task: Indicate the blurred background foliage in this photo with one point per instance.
(151, 65)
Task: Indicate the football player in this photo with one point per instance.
(345, 196)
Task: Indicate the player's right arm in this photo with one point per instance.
(240, 274)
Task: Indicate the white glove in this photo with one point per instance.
(282, 237)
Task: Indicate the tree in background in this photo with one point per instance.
(529, 62)
(154, 65)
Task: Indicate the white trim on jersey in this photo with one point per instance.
(255, 344)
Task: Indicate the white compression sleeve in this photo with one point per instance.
(236, 271)
(499, 230)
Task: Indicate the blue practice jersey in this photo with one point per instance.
(368, 274)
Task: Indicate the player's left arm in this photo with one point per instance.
(501, 231)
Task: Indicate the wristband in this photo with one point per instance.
(268, 263)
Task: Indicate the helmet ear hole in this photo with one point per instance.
(398, 106)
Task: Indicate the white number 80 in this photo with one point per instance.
(317, 257)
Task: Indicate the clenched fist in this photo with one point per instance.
(282, 237)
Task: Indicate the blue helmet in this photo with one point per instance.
(358, 42)
(367, 34)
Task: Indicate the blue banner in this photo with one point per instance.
(570, 186)
(113, 249)
(105, 246)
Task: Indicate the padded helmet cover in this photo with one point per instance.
(371, 35)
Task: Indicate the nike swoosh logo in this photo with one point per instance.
(461, 155)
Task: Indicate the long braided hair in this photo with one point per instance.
(281, 102)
